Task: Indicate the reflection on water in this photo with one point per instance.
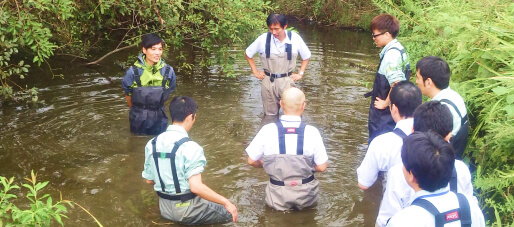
(79, 138)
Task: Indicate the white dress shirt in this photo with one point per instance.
(398, 194)
(384, 152)
(266, 141)
(277, 47)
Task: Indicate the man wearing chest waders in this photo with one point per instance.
(174, 166)
(147, 86)
(278, 50)
(290, 152)
(393, 67)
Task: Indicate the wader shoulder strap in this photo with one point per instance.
(155, 158)
(268, 46)
(171, 156)
(406, 68)
(166, 75)
(172, 161)
(453, 180)
(399, 133)
(454, 107)
(462, 213)
(289, 47)
(137, 77)
(464, 210)
(300, 131)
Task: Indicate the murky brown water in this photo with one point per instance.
(79, 138)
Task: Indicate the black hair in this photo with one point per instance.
(150, 40)
(385, 23)
(430, 159)
(406, 96)
(434, 116)
(436, 69)
(274, 18)
(181, 107)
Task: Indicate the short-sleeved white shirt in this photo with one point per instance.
(266, 141)
(276, 47)
(384, 152)
(399, 195)
(444, 201)
(454, 97)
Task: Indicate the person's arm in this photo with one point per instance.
(258, 74)
(129, 100)
(298, 76)
(150, 182)
(393, 73)
(321, 168)
(199, 188)
(256, 164)
(382, 104)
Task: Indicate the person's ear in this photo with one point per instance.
(285, 26)
(144, 50)
(303, 105)
(448, 137)
(429, 82)
(281, 105)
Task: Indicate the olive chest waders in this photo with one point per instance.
(292, 184)
(184, 207)
(278, 68)
(381, 121)
(147, 114)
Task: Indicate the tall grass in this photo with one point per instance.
(477, 40)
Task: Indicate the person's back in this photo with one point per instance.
(173, 165)
(290, 152)
(428, 161)
(384, 150)
(393, 67)
(433, 78)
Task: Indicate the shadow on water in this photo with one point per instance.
(79, 139)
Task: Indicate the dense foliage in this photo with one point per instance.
(477, 40)
(41, 212)
(45, 28)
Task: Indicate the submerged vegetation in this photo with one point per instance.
(45, 28)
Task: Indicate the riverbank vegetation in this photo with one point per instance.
(80, 29)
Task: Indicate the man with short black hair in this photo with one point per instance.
(278, 50)
(174, 166)
(430, 116)
(428, 161)
(147, 86)
(433, 79)
(384, 151)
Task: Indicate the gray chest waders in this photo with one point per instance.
(171, 156)
(277, 68)
(453, 179)
(462, 213)
(292, 184)
(459, 141)
(380, 121)
(147, 115)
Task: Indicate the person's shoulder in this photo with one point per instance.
(410, 215)
(385, 139)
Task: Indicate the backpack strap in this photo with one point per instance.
(289, 47)
(300, 131)
(453, 180)
(464, 210)
(268, 46)
(428, 206)
(137, 77)
(171, 156)
(399, 133)
(166, 75)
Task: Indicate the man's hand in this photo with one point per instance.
(129, 100)
(231, 208)
(380, 104)
(259, 74)
(296, 77)
(150, 182)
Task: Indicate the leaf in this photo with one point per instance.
(510, 99)
(21, 63)
(510, 110)
(500, 90)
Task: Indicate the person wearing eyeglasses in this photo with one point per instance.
(393, 67)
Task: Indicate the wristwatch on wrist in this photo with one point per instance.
(301, 73)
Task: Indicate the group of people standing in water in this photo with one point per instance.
(418, 146)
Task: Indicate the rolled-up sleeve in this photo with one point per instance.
(194, 162)
(147, 168)
(127, 81)
(256, 46)
(394, 67)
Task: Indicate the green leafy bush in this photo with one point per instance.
(477, 40)
(40, 212)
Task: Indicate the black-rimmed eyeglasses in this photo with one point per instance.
(375, 36)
